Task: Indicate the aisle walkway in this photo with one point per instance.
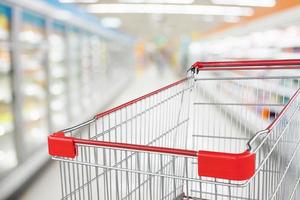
(47, 185)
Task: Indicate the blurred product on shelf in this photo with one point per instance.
(8, 158)
(274, 43)
(73, 39)
(57, 77)
(34, 81)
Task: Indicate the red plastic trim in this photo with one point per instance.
(210, 164)
(248, 65)
(154, 149)
(283, 111)
(60, 145)
(138, 99)
(230, 166)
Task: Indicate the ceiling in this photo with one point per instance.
(152, 25)
(147, 26)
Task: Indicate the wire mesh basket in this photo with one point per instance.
(230, 130)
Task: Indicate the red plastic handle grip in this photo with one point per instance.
(60, 145)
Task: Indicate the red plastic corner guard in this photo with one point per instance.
(60, 145)
(198, 65)
(230, 166)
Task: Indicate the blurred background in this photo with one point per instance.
(63, 61)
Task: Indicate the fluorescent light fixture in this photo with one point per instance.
(158, 1)
(78, 1)
(254, 3)
(111, 22)
(170, 9)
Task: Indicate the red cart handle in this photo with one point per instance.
(239, 167)
(248, 65)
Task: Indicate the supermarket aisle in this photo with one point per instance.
(47, 185)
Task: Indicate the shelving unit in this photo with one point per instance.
(274, 37)
(97, 76)
(75, 91)
(8, 158)
(54, 75)
(34, 81)
(86, 65)
(58, 78)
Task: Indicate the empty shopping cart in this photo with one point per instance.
(230, 130)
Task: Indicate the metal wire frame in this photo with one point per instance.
(276, 142)
(133, 119)
(164, 119)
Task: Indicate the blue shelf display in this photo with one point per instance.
(33, 18)
(5, 11)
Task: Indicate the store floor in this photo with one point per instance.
(46, 186)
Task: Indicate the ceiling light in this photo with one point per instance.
(158, 1)
(111, 22)
(170, 9)
(78, 1)
(254, 3)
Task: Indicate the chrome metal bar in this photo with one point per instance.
(248, 78)
(238, 104)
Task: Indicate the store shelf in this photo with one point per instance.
(4, 45)
(75, 89)
(267, 86)
(32, 36)
(250, 119)
(49, 50)
(58, 77)
(15, 180)
(258, 41)
(8, 158)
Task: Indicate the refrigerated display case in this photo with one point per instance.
(32, 38)
(8, 158)
(39, 60)
(74, 67)
(57, 77)
(86, 72)
(97, 77)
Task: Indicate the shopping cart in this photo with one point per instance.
(230, 130)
